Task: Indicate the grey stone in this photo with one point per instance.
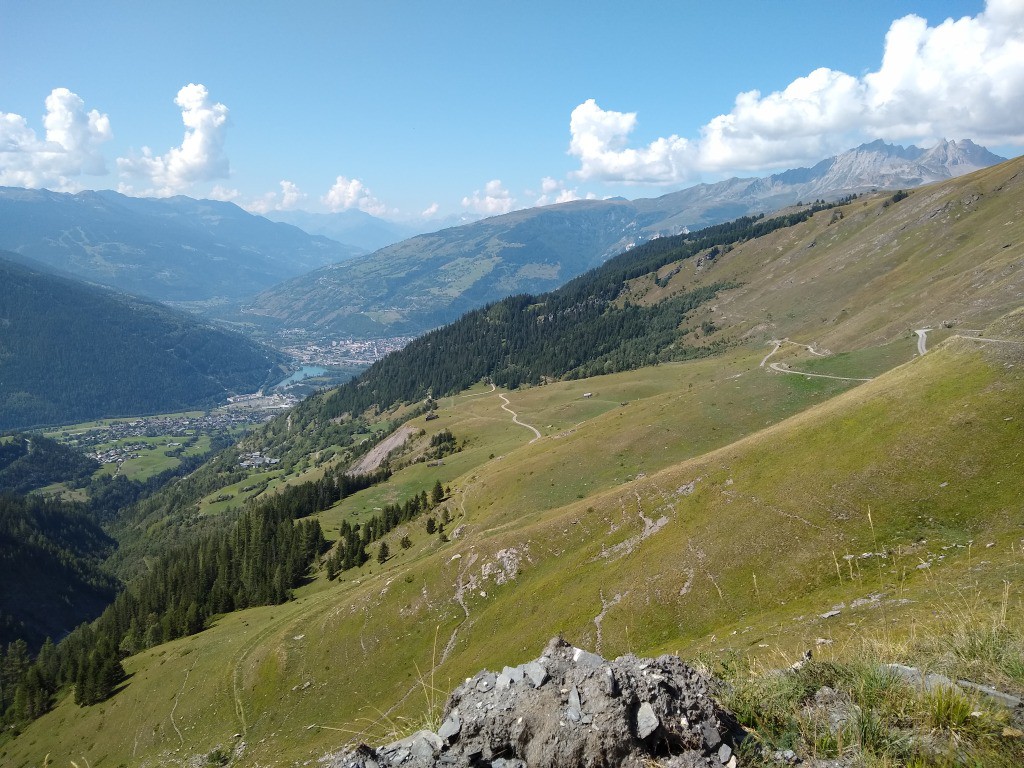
(502, 682)
(611, 685)
(586, 658)
(425, 744)
(646, 721)
(485, 683)
(574, 698)
(932, 682)
(994, 695)
(914, 676)
(537, 674)
(786, 757)
(450, 727)
(542, 720)
(831, 708)
(710, 733)
(515, 674)
(724, 753)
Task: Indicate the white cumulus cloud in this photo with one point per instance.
(430, 211)
(962, 78)
(224, 194)
(291, 195)
(199, 158)
(285, 200)
(599, 140)
(494, 200)
(71, 146)
(349, 193)
(553, 191)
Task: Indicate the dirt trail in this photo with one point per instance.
(777, 367)
(778, 344)
(922, 340)
(515, 419)
(178, 697)
(380, 451)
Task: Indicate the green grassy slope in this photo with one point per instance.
(710, 506)
(948, 253)
(928, 448)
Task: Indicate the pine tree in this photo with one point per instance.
(383, 553)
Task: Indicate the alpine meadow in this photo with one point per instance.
(695, 440)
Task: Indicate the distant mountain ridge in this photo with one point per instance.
(170, 249)
(356, 228)
(71, 352)
(430, 280)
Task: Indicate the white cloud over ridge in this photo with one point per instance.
(200, 157)
(494, 200)
(70, 148)
(960, 79)
(553, 192)
(349, 193)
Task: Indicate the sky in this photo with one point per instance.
(422, 110)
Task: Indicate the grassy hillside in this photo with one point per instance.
(948, 254)
(738, 508)
(530, 559)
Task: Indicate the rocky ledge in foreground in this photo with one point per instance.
(571, 708)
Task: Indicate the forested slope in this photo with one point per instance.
(71, 352)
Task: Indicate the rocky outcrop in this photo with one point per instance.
(571, 708)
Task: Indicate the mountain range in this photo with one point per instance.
(429, 280)
(214, 256)
(169, 249)
(352, 227)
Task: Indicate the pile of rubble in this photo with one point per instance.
(571, 708)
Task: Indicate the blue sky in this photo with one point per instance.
(406, 108)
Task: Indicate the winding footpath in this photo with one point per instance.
(515, 419)
(780, 368)
(922, 340)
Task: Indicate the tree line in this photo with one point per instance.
(258, 560)
(580, 329)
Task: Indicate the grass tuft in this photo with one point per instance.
(857, 709)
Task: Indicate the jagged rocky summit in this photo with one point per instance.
(571, 707)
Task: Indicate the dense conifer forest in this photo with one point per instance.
(29, 462)
(256, 559)
(51, 558)
(72, 352)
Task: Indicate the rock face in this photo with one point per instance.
(571, 708)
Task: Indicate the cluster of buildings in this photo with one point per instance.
(121, 453)
(220, 420)
(256, 459)
(346, 352)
